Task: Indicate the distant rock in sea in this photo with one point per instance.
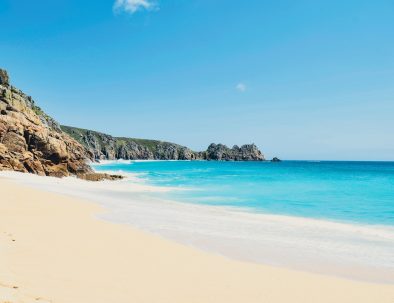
(31, 141)
(275, 159)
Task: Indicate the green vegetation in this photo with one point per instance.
(79, 134)
(38, 111)
(75, 133)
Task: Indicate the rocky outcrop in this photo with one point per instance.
(98, 177)
(4, 79)
(247, 152)
(106, 147)
(31, 141)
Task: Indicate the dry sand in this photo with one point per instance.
(53, 249)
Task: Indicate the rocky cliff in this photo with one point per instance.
(106, 147)
(247, 152)
(31, 141)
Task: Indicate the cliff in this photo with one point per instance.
(31, 141)
(247, 152)
(107, 147)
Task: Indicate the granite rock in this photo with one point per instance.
(31, 141)
(106, 147)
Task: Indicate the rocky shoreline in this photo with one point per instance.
(107, 147)
(33, 142)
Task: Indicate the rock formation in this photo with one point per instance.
(106, 147)
(248, 152)
(31, 141)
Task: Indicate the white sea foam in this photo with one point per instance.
(349, 250)
(123, 161)
(106, 162)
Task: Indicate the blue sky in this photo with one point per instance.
(301, 79)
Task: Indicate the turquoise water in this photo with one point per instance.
(361, 192)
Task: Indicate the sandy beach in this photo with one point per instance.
(54, 249)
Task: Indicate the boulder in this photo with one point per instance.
(98, 177)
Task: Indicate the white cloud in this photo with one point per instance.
(241, 87)
(131, 6)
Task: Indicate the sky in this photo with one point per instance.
(300, 79)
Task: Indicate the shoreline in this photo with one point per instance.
(62, 253)
(303, 244)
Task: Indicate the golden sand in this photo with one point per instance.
(53, 249)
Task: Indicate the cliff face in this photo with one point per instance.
(106, 147)
(247, 152)
(31, 141)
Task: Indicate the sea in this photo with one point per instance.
(349, 192)
(325, 217)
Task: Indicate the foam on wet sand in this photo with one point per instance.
(53, 248)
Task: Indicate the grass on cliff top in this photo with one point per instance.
(74, 132)
(37, 110)
(150, 144)
(78, 133)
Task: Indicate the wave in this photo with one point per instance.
(350, 250)
(110, 162)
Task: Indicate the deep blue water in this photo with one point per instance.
(360, 192)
